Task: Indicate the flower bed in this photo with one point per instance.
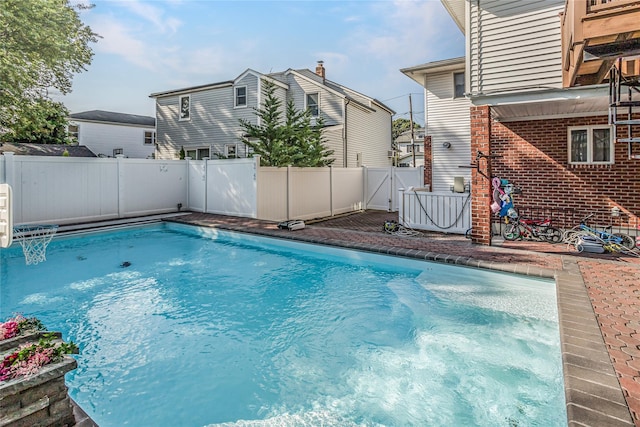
(33, 363)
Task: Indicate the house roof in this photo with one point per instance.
(192, 89)
(417, 72)
(456, 9)
(112, 117)
(56, 150)
(405, 137)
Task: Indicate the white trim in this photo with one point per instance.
(181, 116)
(235, 96)
(589, 130)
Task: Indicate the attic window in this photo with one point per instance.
(313, 104)
(185, 107)
(241, 96)
(458, 85)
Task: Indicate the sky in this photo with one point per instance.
(158, 45)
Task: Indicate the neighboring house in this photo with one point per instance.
(108, 134)
(405, 148)
(537, 91)
(204, 120)
(447, 127)
(57, 150)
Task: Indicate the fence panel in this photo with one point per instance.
(437, 211)
(378, 188)
(272, 194)
(152, 186)
(197, 185)
(405, 178)
(231, 187)
(309, 193)
(347, 187)
(3, 179)
(63, 190)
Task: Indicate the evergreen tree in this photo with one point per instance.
(289, 140)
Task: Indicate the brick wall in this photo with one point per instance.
(535, 159)
(481, 131)
(428, 179)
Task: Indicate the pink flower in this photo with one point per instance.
(8, 329)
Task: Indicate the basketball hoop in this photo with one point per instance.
(34, 240)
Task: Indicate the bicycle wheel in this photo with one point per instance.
(551, 235)
(511, 231)
(627, 241)
(570, 237)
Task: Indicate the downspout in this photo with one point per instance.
(344, 135)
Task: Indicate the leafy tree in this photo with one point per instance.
(399, 126)
(289, 140)
(43, 44)
(44, 123)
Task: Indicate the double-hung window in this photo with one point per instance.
(458, 85)
(591, 145)
(313, 104)
(240, 96)
(149, 137)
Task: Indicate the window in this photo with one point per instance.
(149, 137)
(74, 132)
(458, 85)
(231, 150)
(185, 107)
(197, 153)
(241, 96)
(313, 104)
(591, 145)
(117, 151)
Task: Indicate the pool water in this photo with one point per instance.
(213, 328)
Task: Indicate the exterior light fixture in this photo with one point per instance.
(446, 144)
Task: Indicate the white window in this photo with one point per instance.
(313, 104)
(185, 107)
(590, 145)
(117, 151)
(197, 153)
(240, 96)
(458, 85)
(74, 132)
(149, 137)
(231, 151)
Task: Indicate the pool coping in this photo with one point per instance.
(593, 395)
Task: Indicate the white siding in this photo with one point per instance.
(447, 120)
(369, 133)
(103, 138)
(520, 45)
(330, 103)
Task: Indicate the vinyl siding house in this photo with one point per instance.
(405, 149)
(536, 108)
(447, 125)
(204, 120)
(108, 133)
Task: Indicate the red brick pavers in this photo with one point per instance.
(615, 296)
(613, 283)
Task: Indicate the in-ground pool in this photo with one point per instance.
(215, 328)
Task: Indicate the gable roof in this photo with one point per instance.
(418, 72)
(55, 150)
(112, 117)
(339, 89)
(192, 89)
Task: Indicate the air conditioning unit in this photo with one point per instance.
(390, 153)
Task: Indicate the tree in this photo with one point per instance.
(44, 123)
(399, 126)
(289, 140)
(43, 44)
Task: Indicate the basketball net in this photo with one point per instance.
(34, 240)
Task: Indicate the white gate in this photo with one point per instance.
(382, 185)
(439, 211)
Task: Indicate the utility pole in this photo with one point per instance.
(413, 149)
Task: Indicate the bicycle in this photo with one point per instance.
(611, 242)
(542, 230)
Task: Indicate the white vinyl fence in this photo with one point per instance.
(64, 190)
(446, 212)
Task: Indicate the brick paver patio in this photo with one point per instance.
(603, 386)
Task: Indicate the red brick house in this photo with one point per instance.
(536, 76)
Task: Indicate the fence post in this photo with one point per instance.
(288, 192)
(120, 167)
(9, 169)
(365, 187)
(331, 189)
(205, 178)
(401, 207)
(256, 180)
(392, 196)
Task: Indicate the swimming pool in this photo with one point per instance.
(214, 328)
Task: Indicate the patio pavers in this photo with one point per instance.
(598, 299)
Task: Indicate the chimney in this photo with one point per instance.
(320, 70)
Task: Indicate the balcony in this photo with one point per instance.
(594, 34)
